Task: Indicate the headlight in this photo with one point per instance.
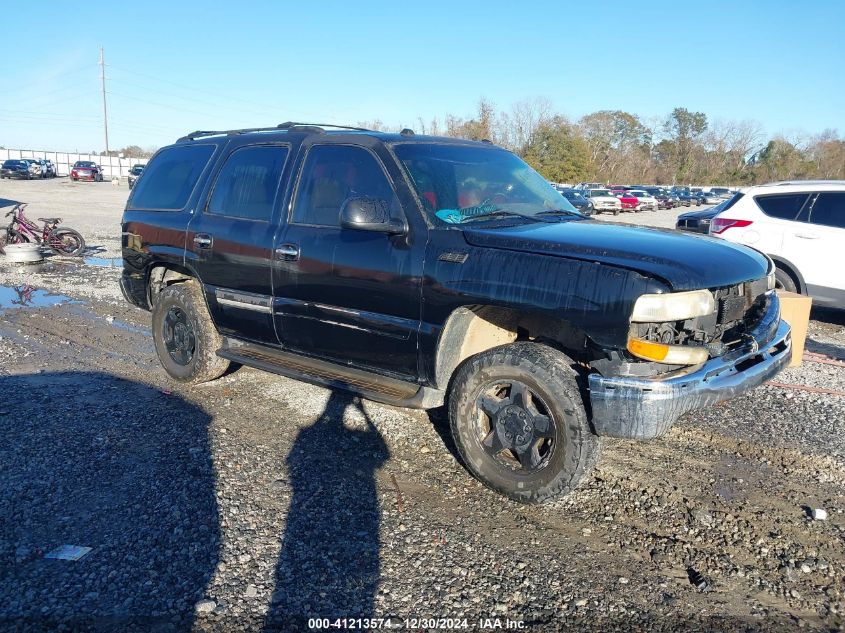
(673, 306)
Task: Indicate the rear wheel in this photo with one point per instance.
(184, 335)
(519, 422)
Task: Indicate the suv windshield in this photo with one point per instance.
(458, 182)
(599, 192)
(12, 163)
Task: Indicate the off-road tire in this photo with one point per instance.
(550, 374)
(784, 281)
(204, 365)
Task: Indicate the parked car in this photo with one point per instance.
(602, 201)
(366, 273)
(801, 226)
(628, 201)
(711, 198)
(15, 168)
(590, 185)
(699, 221)
(722, 192)
(134, 174)
(50, 168)
(33, 166)
(664, 199)
(86, 170)
(688, 199)
(577, 200)
(647, 201)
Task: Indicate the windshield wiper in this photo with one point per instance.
(502, 212)
(562, 212)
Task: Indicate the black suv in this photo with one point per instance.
(419, 271)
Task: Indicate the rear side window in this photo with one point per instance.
(333, 173)
(170, 177)
(246, 186)
(785, 206)
(829, 210)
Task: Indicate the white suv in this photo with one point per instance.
(603, 201)
(801, 226)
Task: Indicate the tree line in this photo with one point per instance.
(613, 146)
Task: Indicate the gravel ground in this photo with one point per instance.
(258, 502)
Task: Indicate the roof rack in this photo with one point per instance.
(287, 125)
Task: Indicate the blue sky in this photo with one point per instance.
(173, 67)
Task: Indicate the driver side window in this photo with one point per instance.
(333, 173)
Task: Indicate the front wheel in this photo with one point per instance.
(616, 212)
(784, 281)
(65, 241)
(184, 335)
(519, 422)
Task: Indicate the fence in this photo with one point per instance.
(113, 166)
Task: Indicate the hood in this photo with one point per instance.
(699, 215)
(684, 261)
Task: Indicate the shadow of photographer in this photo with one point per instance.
(329, 563)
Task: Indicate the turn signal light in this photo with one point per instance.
(669, 354)
(647, 349)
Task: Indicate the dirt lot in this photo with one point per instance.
(256, 501)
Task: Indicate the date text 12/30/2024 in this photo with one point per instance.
(414, 624)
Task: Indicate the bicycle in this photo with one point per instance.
(62, 240)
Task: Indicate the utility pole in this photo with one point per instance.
(105, 113)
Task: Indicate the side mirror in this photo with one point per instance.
(369, 214)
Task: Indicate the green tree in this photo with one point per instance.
(781, 160)
(616, 141)
(684, 128)
(557, 152)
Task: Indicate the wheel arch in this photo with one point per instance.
(470, 330)
(792, 270)
(160, 275)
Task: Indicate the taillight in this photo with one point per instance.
(720, 225)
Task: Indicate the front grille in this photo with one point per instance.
(740, 309)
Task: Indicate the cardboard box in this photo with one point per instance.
(795, 310)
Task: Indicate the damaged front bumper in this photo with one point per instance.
(645, 408)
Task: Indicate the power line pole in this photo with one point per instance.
(105, 112)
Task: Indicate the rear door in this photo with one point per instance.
(230, 241)
(776, 230)
(825, 236)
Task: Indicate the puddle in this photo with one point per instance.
(27, 296)
(104, 262)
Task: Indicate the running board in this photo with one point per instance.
(363, 383)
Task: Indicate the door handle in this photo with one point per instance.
(289, 252)
(203, 240)
(807, 236)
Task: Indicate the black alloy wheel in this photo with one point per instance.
(178, 335)
(515, 427)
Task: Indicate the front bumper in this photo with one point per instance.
(644, 408)
(21, 175)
